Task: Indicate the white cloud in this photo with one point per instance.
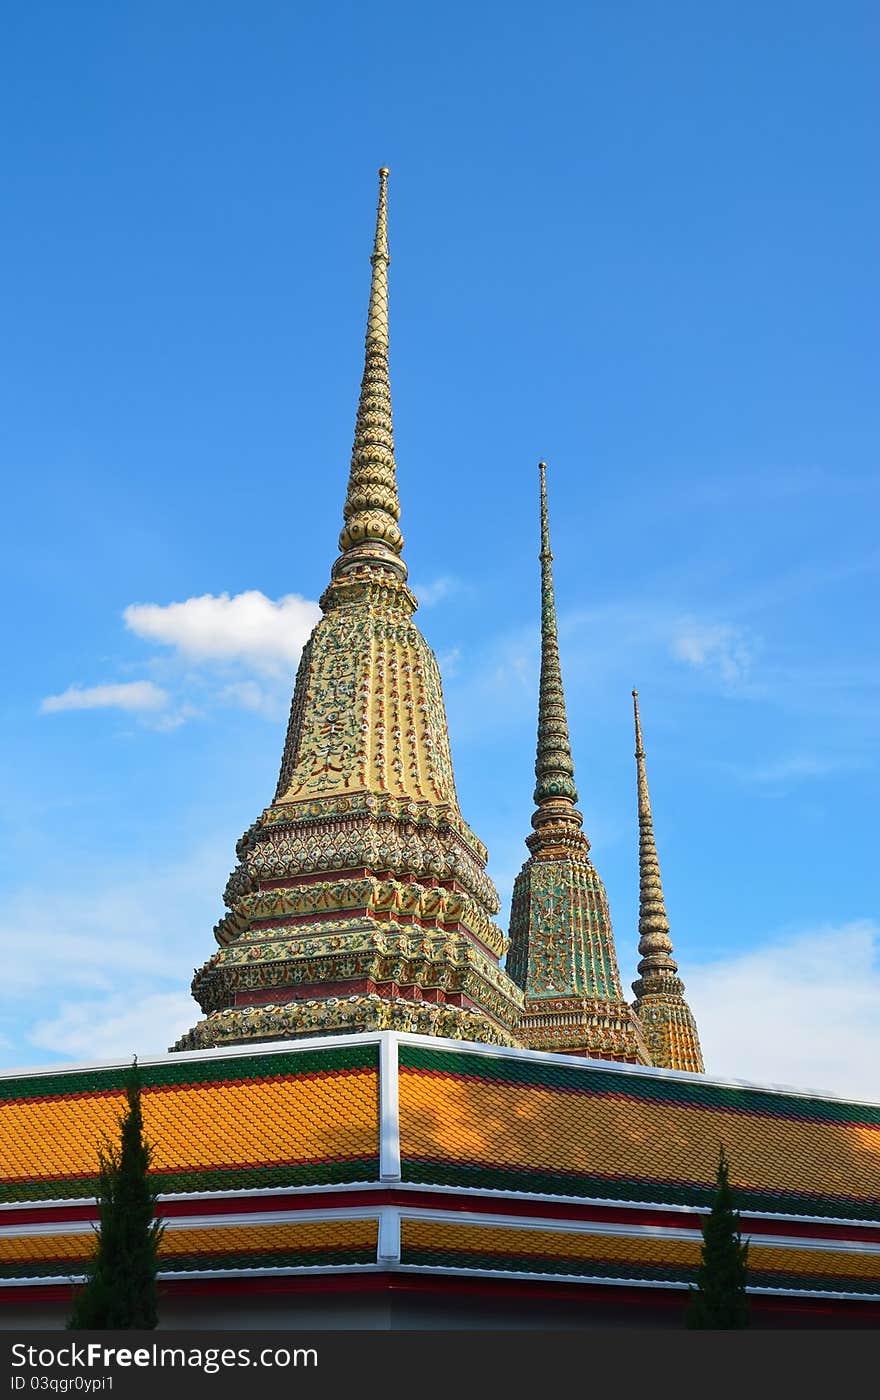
(168, 720)
(248, 627)
(121, 954)
(249, 695)
(137, 924)
(132, 695)
(448, 662)
(434, 592)
(713, 647)
(248, 630)
(605, 651)
(123, 1025)
(794, 768)
(804, 1010)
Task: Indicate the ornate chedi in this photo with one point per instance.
(562, 947)
(667, 1020)
(361, 900)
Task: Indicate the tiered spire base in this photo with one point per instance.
(668, 1023)
(562, 955)
(361, 899)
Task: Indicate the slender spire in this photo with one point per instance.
(371, 535)
(667, 1021)
(555, 791)
(366, 790)
(655, 944)
(561, 942)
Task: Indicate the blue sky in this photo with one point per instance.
(637, 240)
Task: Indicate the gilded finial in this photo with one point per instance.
(371, 535)
(380, 240)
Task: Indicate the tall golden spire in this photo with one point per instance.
(555, 791)
(370, 534)
(668, 1022)
(360, 900)
(561, 943)
(655, 945)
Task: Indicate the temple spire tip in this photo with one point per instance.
(638, 721)
(371, 535)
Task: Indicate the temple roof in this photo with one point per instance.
(360, 1154)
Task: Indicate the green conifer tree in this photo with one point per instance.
(120, 1288)
(719, 1299)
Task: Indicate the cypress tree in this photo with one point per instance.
(719, 1299)
(120, 1288)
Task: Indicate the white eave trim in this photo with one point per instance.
(440, 1188)
(324, 1042)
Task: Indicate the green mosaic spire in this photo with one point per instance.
(371, 535)
(561, 941)
(554, 768)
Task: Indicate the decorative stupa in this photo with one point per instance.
(562, 945)
(386, 1178)
(666, 1018)
(360, 900)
